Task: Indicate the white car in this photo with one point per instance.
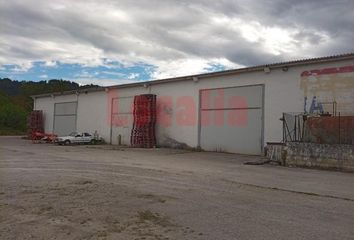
(76, 138)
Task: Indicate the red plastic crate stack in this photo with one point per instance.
(35, 123)
(144, 112)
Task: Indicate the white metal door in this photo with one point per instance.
(231, 119)
(121, 120)
(65, 118)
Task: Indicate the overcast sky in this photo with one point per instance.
(115, 41)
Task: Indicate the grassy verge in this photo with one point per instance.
(11, 132)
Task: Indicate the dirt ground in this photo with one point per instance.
(98, 192)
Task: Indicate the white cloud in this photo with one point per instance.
(177, 37)
(133, 75)
(188, 67)
(117, 74)
(22, 67)
(50, 64)
(43, 76)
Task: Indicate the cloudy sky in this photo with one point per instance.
(117, 41)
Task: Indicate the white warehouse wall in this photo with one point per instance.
(46, 104)
(283, 91)
(93, 113)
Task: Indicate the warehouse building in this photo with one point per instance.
(235, 111)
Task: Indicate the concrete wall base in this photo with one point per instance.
(313, 155)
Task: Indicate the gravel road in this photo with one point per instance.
(102, 192)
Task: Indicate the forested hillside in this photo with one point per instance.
(16, 103)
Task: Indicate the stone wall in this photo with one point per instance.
(274, 151)
(313, 155)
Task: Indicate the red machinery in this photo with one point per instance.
(38, 137)
(35, 124)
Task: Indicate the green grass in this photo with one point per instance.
(11, 132)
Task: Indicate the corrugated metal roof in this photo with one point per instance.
(298, 62)
(318, 59)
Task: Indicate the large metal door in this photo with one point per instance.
(65, 115)
(121, 120)
(231, 119)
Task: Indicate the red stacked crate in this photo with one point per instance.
(35, 123)
(144, 113)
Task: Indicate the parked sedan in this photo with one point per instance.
(76, 138)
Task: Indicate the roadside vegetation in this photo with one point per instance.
(12, 117)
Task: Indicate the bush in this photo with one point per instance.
(12, 117)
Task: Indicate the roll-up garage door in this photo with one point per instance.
(121, 120)
(231, 119)
(65, 115)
